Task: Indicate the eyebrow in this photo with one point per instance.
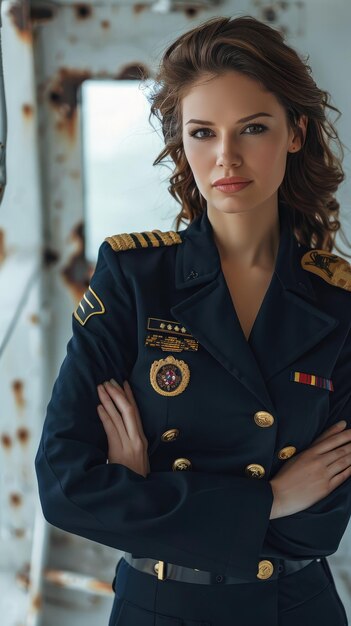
(243, 119)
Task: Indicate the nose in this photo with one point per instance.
(228, 155)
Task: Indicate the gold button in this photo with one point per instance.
(171, 434)
(181, 464)
(286, 453)
(264, 419)
(254, 470)
(265, 569)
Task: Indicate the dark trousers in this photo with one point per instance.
(306, 597)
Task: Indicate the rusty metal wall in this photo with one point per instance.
(49, 50)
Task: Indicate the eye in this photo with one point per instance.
(262, 128)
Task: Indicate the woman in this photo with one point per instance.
(211, 365)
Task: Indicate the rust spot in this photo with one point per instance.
(83, 11)
(75, 174)
(50, 257)
(23, 576)
(34, 318)
(6, 441)
(15, 499)
(72, 38)
(55, 577)
(60, 158)
(19, 14)
(192, 11)
(63, 97)
(100, 585)
(27, 110)
(58, 204)
(105, 24)
(133, 71)
(18, 387)
(37, 602)
(139, 8)
(19, 533)
(2, 246)
(22, 435)
(42, 13)
(78, 271)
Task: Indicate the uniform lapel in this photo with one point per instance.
(289, 321)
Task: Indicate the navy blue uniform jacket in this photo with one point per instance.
(296, 366)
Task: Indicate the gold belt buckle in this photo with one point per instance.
(160, 569)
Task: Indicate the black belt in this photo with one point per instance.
(163, 570)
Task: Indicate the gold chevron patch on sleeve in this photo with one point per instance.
(145, 239)
(89, 305)
(331, 267)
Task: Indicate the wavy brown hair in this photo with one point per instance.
(249, 46)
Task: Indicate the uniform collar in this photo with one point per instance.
(198, 259)
(290, 322)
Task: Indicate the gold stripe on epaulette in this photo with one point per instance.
(125, 241)
(332, 268)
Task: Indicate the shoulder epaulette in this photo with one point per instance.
(331, 267)
(145, 239)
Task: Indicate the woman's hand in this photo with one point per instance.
(309, 476)
(120, 417)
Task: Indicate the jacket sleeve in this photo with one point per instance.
(197, 519)
(318, 530)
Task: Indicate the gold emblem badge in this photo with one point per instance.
(170, 376)
(333, 268)
(89, 305)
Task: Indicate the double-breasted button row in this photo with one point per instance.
(287, 452)
(170, 435)
(254, 470)
(181, 464)
(263, 419)
(265, 569)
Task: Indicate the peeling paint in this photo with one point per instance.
(19, 14)
(78, 271)
(17, 388)
(63, 97)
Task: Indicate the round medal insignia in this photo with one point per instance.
(170, 376)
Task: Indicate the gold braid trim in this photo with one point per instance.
(124, 241)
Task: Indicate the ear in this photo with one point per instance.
(299, 136)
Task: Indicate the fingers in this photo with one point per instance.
(331, 430)
(110, 409)
(110, 429)
(112, 396)
(333, 440)
(131, 399)
(335, 428)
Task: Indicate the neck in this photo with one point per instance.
(248, 239)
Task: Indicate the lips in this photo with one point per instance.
(231, 180)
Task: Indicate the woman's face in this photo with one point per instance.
(256, 149)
